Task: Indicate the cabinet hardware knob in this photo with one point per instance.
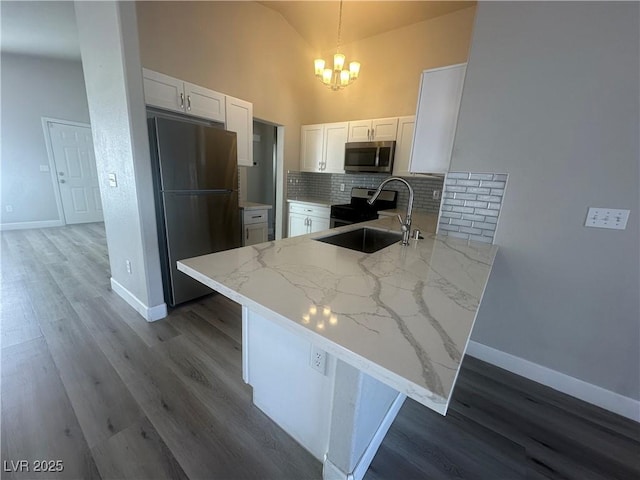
(61, 173)
(63, 181)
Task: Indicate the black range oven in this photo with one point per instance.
(358, 210)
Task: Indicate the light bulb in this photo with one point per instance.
(344, 78)
(354, 69)
(319, 66)
(326, 76)
(338, 62)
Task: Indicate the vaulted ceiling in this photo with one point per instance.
(48, 28)
(317, 21)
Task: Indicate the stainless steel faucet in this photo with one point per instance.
(405, 225)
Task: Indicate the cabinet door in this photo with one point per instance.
(360, 131)
(384, 129)
(311, 143)
(163, 91)
(205, 103)
(254, 234)
(404, 141)
(437, 118)
(317, 224)
(239, 119)
(335, 136)
(297, 224)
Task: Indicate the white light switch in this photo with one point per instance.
(44, 168)
(607, 218)
(112, 180)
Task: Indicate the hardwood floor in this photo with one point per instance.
(85, 380)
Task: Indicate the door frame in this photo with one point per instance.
(52, 164)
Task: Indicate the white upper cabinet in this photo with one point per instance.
(437, 118)
(311, 143)
(239, 119)
(322, 147)
(334, 138)
(173, 94)
(205, 103)
(378, 130)
(163, 91)
(404, 141)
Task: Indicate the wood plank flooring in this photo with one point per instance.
(85, 380)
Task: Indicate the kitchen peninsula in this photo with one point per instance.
(393, 323)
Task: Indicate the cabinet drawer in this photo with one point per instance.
(255, 216)
(309, 210)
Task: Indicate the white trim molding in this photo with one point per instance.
(150, 314)
(28, 225)
(612, 401)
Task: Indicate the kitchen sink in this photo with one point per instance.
(367, 240)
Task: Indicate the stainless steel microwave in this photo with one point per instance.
(374, 157)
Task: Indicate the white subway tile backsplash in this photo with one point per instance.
(469, 183)
(476, 204)
(492, 184)
(481, 176)
(465, 196)
(463, 175)
(477, 198)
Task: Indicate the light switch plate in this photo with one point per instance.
(112, 180)
(613, 218)
(44, 168)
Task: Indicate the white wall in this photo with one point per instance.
(32, 88)
(551, 97)
(116, 105)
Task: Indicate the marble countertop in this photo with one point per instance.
(402, 315)
(311, 201)
(253, 206)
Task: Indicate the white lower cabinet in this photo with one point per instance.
(305, 218)
(255, 226)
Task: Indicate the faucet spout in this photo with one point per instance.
(405, 224)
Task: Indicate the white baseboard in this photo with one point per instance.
(29, 225)
(612, 401)
(150, 314)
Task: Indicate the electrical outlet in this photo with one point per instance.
(113, 182)
(342, 187)
(607, 218)
(318, 359)
(436, 194)
(128, 263)
(8, 208)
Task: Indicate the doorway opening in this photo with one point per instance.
(259, 183)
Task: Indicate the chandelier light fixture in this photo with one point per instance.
(338, 77)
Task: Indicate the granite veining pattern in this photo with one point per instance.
(402, 315)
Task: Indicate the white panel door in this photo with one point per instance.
(75, 162)
(204, 103)
(239, 119)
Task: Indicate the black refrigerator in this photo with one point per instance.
(196, 190)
